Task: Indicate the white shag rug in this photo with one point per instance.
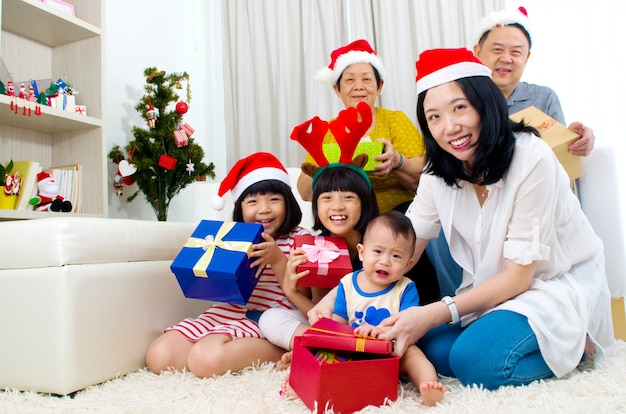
(255, 390)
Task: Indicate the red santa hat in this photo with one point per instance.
(257, 167)
(439, 66)
(42, 176)
(503, 18)
(358, 51)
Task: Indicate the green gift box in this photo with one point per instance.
(372, 149)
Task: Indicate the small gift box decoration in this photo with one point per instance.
(372, 149)
(327, 359)
(328, 260)
(181, 138)
(81, 110)
(168, 162)
(214, 263)
(182, 134)
(187, 129)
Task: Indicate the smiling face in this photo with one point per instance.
(452, 120)
(386, 257)
(505, 51)
(358, 83)
(339, 212)
(267, 209)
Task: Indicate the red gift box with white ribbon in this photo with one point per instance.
(328, 260)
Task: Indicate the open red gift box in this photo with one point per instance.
(369, 376)
(328, 260)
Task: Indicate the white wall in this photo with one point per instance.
(183, 36)
(578, 51)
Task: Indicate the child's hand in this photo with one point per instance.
(296, 258)
(266, 253)
(314, 315)
(367, 330)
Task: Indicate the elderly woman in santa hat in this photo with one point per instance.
(356, 74)
(534, 300)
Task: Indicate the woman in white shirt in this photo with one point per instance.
(534, 300)
(534, 296)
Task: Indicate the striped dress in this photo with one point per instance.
(230, 319)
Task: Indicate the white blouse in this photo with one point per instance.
(531, 214)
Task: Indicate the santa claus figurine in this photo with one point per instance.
(48, 198)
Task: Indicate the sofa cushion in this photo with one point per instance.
(58, 241)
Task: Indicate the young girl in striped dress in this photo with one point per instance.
(227, 336)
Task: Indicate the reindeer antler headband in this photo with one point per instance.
(348, 129)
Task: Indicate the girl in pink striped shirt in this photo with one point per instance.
(227, 336)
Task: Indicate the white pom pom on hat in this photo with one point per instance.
(358, 51)
(438, 66)
(250, 170)
(502, 18)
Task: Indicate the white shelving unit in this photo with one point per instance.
(37, 42)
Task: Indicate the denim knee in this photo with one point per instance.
(498, 349)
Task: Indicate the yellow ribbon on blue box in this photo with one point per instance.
(210, 243)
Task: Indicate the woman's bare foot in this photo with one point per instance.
(590, 348)
(432, 392)
(286, 391)
(285, 361)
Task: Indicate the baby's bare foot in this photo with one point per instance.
(285, 361)
(432, 392)
(286, 391)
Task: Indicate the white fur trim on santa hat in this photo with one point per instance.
(451, 73)
(329, 76)
(260, 174)
(257, 175)
(502, 18)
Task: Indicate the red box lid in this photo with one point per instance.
(329, 334)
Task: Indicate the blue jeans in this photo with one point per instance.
(449, 274)
(497, 349)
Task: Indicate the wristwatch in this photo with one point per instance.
(454, 312)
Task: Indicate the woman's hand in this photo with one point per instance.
(406, 327)
(266, 253)
(389, 159)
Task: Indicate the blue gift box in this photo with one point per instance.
(214, 263)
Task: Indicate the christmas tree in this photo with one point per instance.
(163, 158)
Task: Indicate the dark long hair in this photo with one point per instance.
(496, 143)
(344, 179)
(293, 213)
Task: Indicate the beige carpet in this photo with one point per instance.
(255, 390)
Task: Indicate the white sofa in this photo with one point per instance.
(81, 299)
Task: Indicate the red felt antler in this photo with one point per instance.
(348, 129)
(310, 135)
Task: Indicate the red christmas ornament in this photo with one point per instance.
(167, 162)
(182, 108)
